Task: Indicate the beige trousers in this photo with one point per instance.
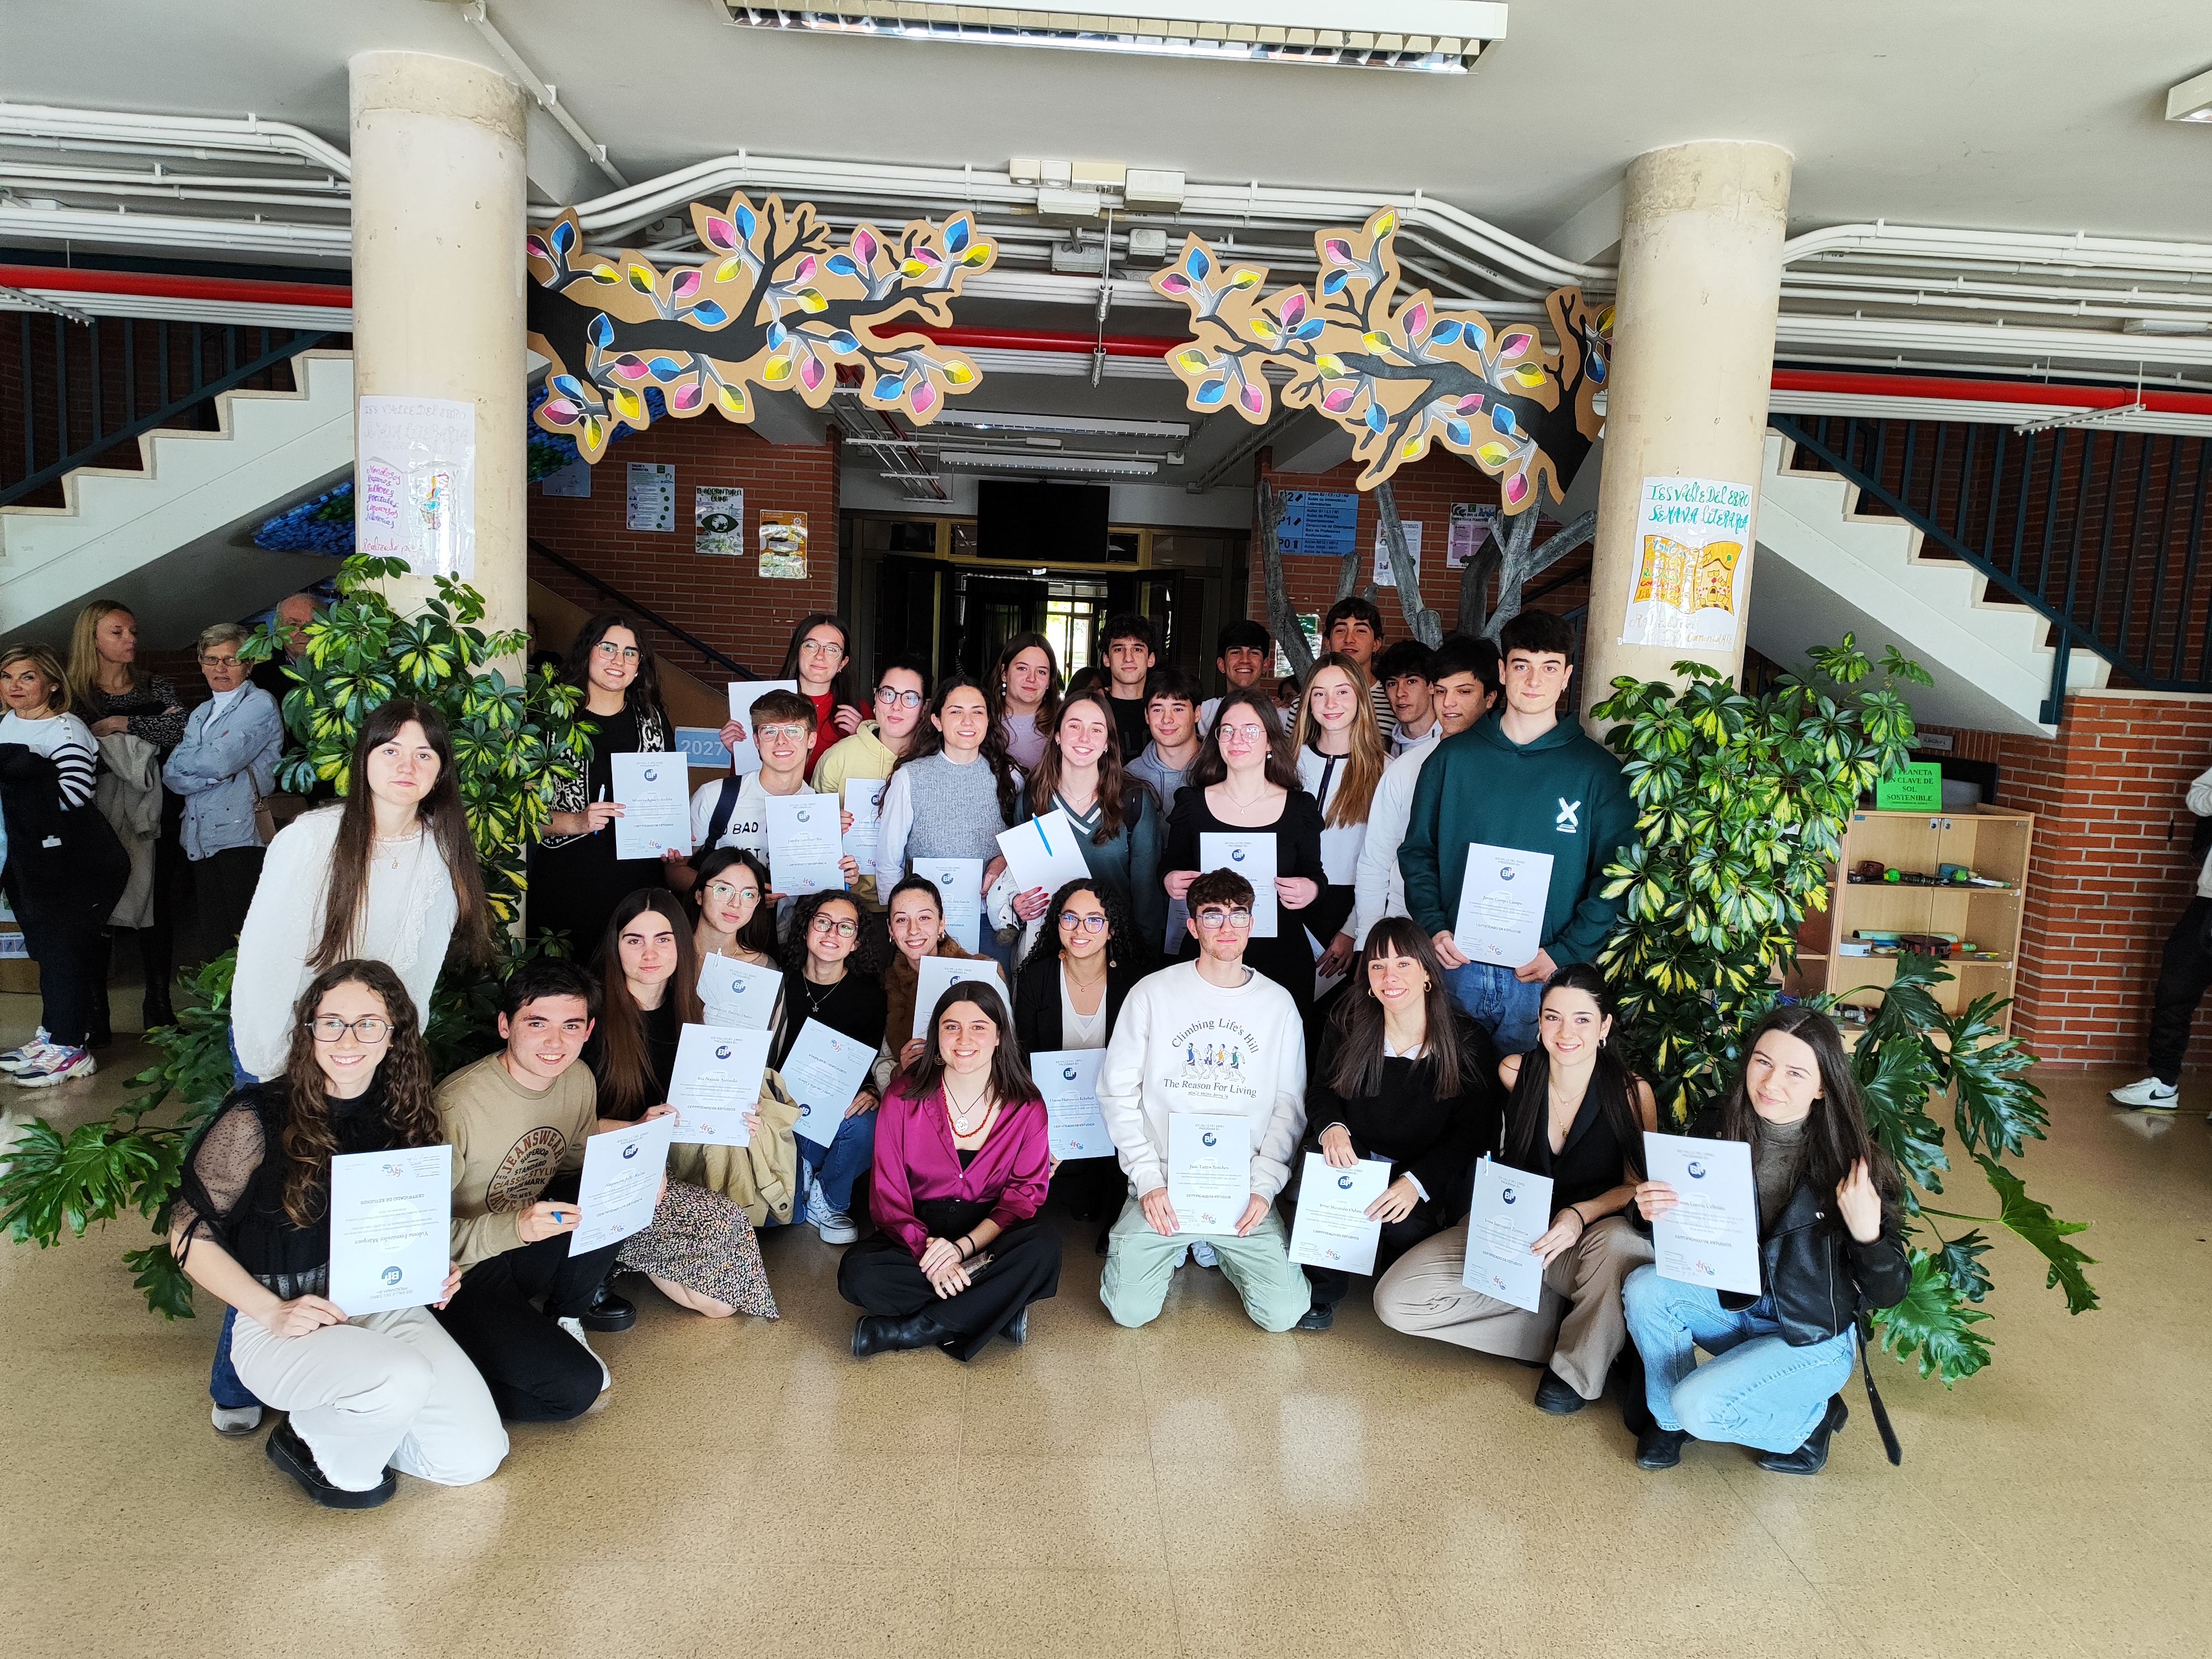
(1578, 1322)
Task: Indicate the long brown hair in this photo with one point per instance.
(1836, 1134)
(410, 1106)
(841, 682)
(928, 740)
(1009, 1072)
(1363, 767)
(443, 819)
(1452, 1043)
(1113, 781)
(1527, 1114)
(84, 657)
(643, 694)
(1211, 766)
(626, 1079)
(759, 933)
(1048, 706)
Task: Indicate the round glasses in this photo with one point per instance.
(722, 892)
(1093, 923)
(1214, 921)
(828, 925)
(1245, 734)
(614, 653)
(783, 733)
(898, 699)
(329, 1028)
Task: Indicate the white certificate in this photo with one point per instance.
(959, 884)
(1068, 1080)
(739, 993)
(1043, 852)
(1209, 1171)
(1324, 983)
(804, 843)
(717, 1080)
(1177, 933)
(864, 799)
(934, 976)
(623, 1169)
(1711, 1237)
(1501, 905)
(824, 1071)
(1332, 1228)
(1251, 856)
(1512, 1210)
(744, 755)
(392, 1217)
(655, 792)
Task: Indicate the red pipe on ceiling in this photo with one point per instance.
(163, 285)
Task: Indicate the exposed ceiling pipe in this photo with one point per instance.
(477, 15)
(186, 135)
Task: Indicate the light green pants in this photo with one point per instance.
(1139, 1263)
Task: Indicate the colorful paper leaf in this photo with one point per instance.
(606, 275)
(1493, 454)
(595, 432)
(600, 332)
(810, 299)
(811, 372)
(925, 397)
(1210, 393)
(1529, 374)
(732, 398)
(955, 235)
(569, 386)
(665, 368)
(1263, 331)
(1375, 340)
(708, 314)
(1459, 432)
(535, 246)
(1329, 363)
(561, 411)
(747, 223)
(1191, 361)
(1501, 417)
(721, 234)
(889, 386)
(1195, 265)
(1517, 489)
(1337, 251)
(1416, 319)
(626, 402)
(1174, 282)
(728, 269)
(1514, 343)
(640, 278)
(777, 334)
(1309, 329)
(1387, 223)
(842, 341)
(1245, 278)
(1470, 403)
(777, 368)
(960, 372)
(1375, 418)
(1254, 397)
(1337, 399)
(1335, 281)
(684, 397)
(627, 368)
(1292, 308)
(841, 264)
(686, 285)
(978, 255)
(864, 247)
(1446, 331)
(1414, 444)
(564, 236)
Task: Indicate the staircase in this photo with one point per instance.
(173, 537)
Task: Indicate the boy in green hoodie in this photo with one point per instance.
(1524, 779)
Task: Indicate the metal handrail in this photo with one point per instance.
(737, 669)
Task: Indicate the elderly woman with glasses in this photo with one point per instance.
(832, 977)
(222, 766)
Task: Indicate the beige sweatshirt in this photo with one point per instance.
(507, 1142)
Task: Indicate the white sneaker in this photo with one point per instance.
(49, 1063)
(16, 1058)
(236, 1421)
(1202, 1253)
(2153, 1094)
(574, 1326)
(835, 1225)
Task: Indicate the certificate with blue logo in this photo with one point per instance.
(391, 1221)
(1068, 1080)
(1333, 1228)
(1501, 905)
(739, 993)
(824, 1071)
(716, 1080)
(805, 843)
(1711, 1235)
(621, 1184)
(655, 792)
(1209, 1171)
(1512, 1210)
(1251, 856)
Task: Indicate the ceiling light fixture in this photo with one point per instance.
(1441, 37)
(985, 420)
(1006, 460)
(2191, 100)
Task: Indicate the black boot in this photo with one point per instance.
(881, 1334)
(608, 1311)
(157, 967)
(96, 978)
(1557, 1395)
(291, 1454)
(1812, 1456)
(1659, 1449)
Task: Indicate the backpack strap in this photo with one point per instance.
(725, 803)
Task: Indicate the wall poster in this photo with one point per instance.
(1470, 527)
(783, 545)
(418, 499)
(651, 503)
(718, 521)
(1384, 575)
(1687, 590)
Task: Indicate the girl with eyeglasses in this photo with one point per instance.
(1024, 685)
(1072, 986)
(832, 974)
(819, 657)
(733, 921)
(366, 1394)
(575, 879)
(875, 749)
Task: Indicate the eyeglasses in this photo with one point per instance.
(614, 653)
(1093, 923)
(828, 925)
(898, 699)
(219, 662)
(1216, 919)
(1245, 734)
(784, 733)
(722, 892)
(329, 1028)
(822, 648)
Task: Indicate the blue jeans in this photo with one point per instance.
(1756, 1390)
(224, 1386)
(839, 1164)
(1498, 1003)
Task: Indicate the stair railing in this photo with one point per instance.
(624, 602)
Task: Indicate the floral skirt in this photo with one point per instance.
(703, 1241)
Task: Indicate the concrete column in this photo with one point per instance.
(438, 279)
(1702, 228)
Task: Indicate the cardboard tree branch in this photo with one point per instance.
(775, 306)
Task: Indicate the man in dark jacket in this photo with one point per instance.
(1520, 780)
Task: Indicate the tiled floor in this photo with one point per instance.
(1197, 1488)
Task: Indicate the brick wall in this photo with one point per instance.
(724, 601)
(2112, 868)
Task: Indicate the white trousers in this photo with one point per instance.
(385, 1389)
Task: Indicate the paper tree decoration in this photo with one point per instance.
(1401, 379)
(773, 307)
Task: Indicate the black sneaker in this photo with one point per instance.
(1557, 1395)
(1812, 1456)
(1319, 1317)
(290, 1454)
(608, 1312)
(1659, 1449)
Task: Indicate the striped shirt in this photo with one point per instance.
(63, 739)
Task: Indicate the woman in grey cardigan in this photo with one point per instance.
(225, 763)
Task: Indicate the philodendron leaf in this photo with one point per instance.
(1894, 1076)
(92, 1174)
(1998, 1109)
(156, 1272)
(1932, 1326)
(1961, 1261)
(2033, 1222)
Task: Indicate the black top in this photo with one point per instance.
(1435, 1140)
(574, 886)
(1036, 1003)
(1129, 725)
(231, 1188)
(854, 1006)
(148, 708)
(1286, 958)
(662, 1032)
(1589, 1163)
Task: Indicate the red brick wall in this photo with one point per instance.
(724, 601)
(2112, 868)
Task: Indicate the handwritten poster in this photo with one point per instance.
(783, 545)
(417, 494)
(1687, 588)
(1384, 576)
(1470, 527)
(718, 521)
(652, 495)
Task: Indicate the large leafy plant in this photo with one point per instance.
(512, 743)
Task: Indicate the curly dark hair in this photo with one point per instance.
(309, 1140)
(867, 954)
(1121, 942)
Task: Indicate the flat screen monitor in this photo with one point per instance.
(1036, 524)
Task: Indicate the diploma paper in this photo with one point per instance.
(737, 992)
(390, 1227)
(621, 1185)
(1178, 914)
(824, 1071)
(1512, 1209)
(655, 792)
(934, 976)
(744, 755)
(804, 843)
(1501, 905)
(864, 799)
(1209, 1171)
(1711, 1237)
(959, 884)
(1253, 857)
(1068, 1080)
(1332, 1228)
(1043, 852)
(717, 1080)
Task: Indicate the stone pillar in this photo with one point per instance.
(438, 280)
(1702, 228)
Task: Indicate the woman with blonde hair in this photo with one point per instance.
(1341, 754)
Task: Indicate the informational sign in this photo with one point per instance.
(1471, 525)
(1318, 524)
(783, 545)
(1687, 589)
(652, 495)
(718, 521)
(1384, 576)
(417, 495)
(1916, 786)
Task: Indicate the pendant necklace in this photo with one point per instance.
(966, 1120)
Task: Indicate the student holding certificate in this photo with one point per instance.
(917, 930)
(873, 750)
(1341, 754)
(733, 811)
(832, 977)
(1070, 987)
(1830, 1248)
(960, 1171)
(1577, 1115)
(733, 921)
(1246, 781)
(1117, 827)
(251, 1224)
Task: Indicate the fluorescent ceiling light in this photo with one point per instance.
(1009, 461)
(984, 420)
(2191, 100)
(1438, 36)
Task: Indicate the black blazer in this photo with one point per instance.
(1036, 1003)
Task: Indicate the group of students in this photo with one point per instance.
(1359, 1031)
